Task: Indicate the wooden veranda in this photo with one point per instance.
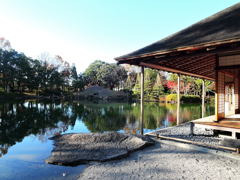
(209, 49)
(229, 124)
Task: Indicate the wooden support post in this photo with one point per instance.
(234, 135)
(191, 128)
(142, 99)
(178, 99)
(203, 98)
(216, 96)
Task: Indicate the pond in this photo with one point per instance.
(26, 126)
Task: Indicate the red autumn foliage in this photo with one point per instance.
(171, 84)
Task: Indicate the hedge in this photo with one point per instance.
(171, 98)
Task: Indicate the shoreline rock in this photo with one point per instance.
(100, 93)
(75, 149)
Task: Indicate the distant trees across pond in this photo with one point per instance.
(105, 74)
(49, 75)
(19, 74)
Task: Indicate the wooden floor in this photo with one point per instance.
(230, 124)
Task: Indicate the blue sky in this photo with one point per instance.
(82, 31)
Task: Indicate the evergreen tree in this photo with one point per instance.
(158, 88)
(148, 84)
(137, 86)
(131, 80)
(150, 78)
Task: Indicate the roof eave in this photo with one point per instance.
(179, 49)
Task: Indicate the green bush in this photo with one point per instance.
(171, 98)
(212, 100)
(190, 99)
(48, 92)
(1, 89)
(183, 98)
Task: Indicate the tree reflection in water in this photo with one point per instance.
(45, 119)
(22, 119)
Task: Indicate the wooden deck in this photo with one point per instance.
(230, 124)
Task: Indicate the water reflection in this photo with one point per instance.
(19, 120)
(45, 119)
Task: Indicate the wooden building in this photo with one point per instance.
(209, 49)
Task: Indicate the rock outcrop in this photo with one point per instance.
(100, 93)
(74, 149)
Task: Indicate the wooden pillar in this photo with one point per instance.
(203, 98)
(220, 96)
(178, 99)
(216, 97)
(142, 99)
(191, 128)
(238, 92)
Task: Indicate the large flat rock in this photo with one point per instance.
(73, 149)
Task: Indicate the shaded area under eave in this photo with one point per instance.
(199, 65)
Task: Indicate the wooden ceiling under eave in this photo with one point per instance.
(200, 66)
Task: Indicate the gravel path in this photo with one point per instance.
(183, 132)
(163, 161)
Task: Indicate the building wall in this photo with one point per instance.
(225, 61)
(236, 94)
(220, 95)
(229, 60)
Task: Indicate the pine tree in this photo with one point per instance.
(148, 84)
(158, 88)
(131, 80)
(137, 86)
(150, 78)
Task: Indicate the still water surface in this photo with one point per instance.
(26, 126)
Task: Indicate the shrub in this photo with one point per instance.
(162, 98)
(212, 100)
(48, 92)
(1, 89)
(190, 99)
(183, 98)
(171, 98)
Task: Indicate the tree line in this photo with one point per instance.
(20, 73)
(49, 75)
(159, 83)
(156, 83)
